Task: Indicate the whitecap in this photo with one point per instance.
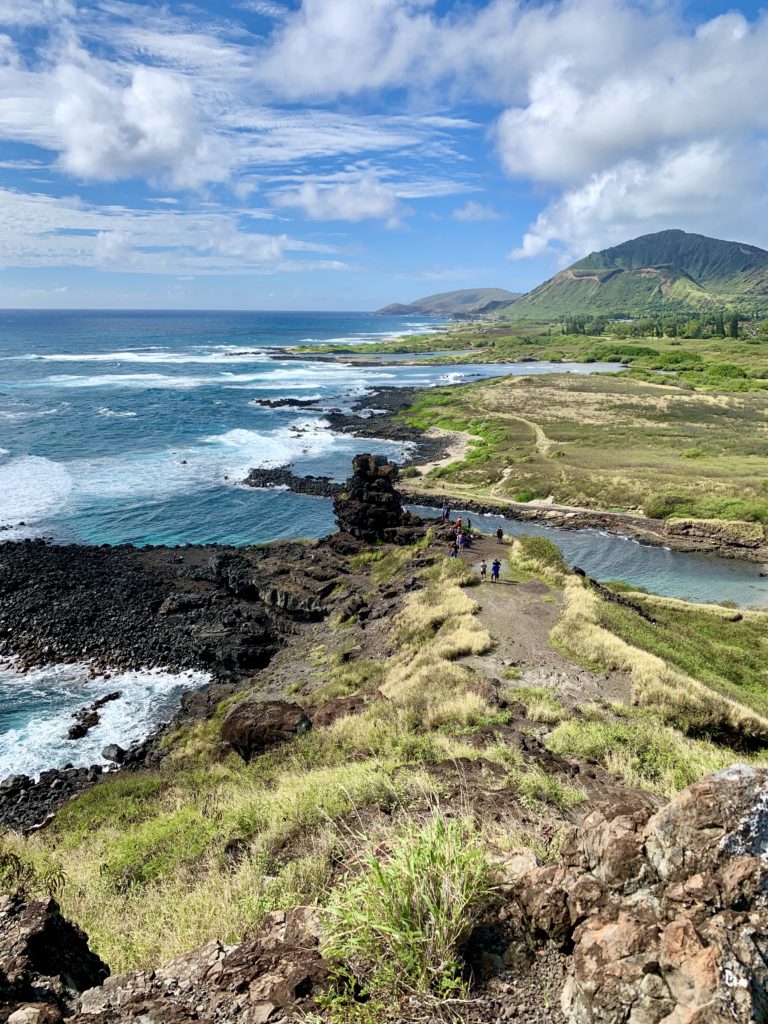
(32, 488)
(111, 413)
(221, 354)
(38, 708)
(28, 414)
(4, 452)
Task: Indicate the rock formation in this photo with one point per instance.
(253, 726)
(272, 977)
(369, 507)
(665, 913)
(44, 959)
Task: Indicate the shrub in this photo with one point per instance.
(400, 925)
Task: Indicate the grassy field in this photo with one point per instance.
(608, 442)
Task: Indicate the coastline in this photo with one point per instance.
(224, 611)
(712, 537)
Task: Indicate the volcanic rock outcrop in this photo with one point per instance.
(666, 913)
(273, 977)
(369, 507)
(44, 959)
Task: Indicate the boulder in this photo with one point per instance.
(113, 752)
(43, 957)
(665, 912)
(255, 725)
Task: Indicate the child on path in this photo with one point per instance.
(495, 570)
(483, 569)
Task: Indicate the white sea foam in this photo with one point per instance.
(32, 488)
(221, 354)
(112, 414)
(4, 452)
(38, 710)
(30, 414)
(214, 460)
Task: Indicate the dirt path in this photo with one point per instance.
(459, 441)
(520, 616)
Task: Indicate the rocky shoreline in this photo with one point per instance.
(375, 416)
(225, 611)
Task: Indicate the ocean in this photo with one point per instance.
(140, 427)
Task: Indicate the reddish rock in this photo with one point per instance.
(255, 725)
(666, 912)
(339, 707)
(272, 977)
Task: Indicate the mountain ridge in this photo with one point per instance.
(463, 301)
(665, 269)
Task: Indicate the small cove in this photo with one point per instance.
(606, 556)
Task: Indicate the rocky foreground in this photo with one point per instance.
(657, 918)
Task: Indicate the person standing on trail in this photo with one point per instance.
(495, 570)
(499, 535)
(446, 514)
(469, 524)
(483, 569)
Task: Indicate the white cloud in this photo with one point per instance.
(148, 127)
(473, 211)
(267, 8)
(42, 231)
(702, 187)
(364, 199)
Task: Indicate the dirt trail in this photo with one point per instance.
(520, 616)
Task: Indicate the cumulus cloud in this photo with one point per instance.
(701, 187)
(364, 199)
(148, 127)
(472, 211)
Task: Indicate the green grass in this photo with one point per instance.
(729, 656)
(640, 749)
(398, 927)
(541, 703)
(609, 442)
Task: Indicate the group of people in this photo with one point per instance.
(462, 539)
(495, 570)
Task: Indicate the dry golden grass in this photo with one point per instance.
(680, 699)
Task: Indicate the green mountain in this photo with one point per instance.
(666, 270)
(466, 301)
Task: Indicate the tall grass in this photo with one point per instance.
(398, 927)
(680, 699)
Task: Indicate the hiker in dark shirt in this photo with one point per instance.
(495, 570)
(499, 535)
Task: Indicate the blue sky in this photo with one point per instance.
(342, 154)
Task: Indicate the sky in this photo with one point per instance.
(344, 154)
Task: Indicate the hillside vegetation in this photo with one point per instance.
(606, 442)
(665, 270)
